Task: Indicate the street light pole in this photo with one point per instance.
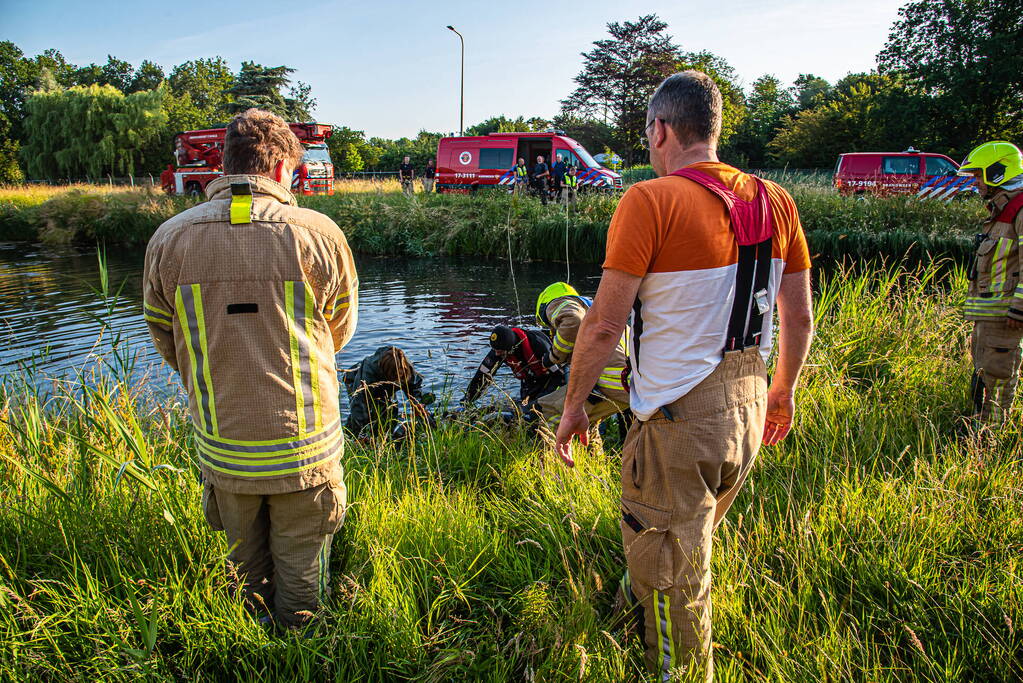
(461, 98)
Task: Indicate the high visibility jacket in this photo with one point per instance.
(995, 289)
(566, 315)
(249, 297)
(571, 181)
(521, 172)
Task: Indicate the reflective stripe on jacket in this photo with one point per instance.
(996, 290)
(566, 315)
(249, 297)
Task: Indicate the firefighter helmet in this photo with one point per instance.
(555, 291)
(998, 162)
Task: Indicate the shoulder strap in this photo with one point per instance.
(1011, 210)
(752, 223)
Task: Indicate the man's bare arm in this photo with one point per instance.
(795, 317)
(598, 335)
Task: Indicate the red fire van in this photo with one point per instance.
(465, 164)
(911, 172)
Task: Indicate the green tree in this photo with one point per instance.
(866, 112)
(345, 147)
(590, 133)
(148, 76)
(503, 124)
(115, 72)
(262, 87)
(90, 131)
(205, 82)
(621, 73)
(810, 91)
(967, 56)
(766, 107)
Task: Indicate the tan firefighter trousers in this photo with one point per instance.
(615, 401)
(679, 477)
(280, 545)
(996, 359)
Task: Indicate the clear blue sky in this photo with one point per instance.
(391, 68)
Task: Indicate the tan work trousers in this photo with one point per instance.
(996, 359)
(427, 185)
(280, 545)
(553, 404)
(679, 477)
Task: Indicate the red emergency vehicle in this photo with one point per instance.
(199, 154)
(925, 174)
(465, 164)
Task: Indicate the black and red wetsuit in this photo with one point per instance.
(529, 361)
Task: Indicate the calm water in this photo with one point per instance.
(440, 311)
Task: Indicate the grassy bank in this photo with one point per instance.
(379, 220)
(871, 546)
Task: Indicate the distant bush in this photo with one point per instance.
(492, 224)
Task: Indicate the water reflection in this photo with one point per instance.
(439, 310)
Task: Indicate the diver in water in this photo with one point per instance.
(372, 385)
(527, 354)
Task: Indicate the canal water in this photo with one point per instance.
(440, 311)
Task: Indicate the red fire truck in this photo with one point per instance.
(925, 174)
(465, 164)
(198, 154)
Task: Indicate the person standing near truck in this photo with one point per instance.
(698, 256)
(541, 174)
(521, 172)
(994, 299)
(248, 297)
(406, 174)
(571, 185)
(558, 171)
(428, 175)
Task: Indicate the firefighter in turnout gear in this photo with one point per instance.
(372, 384)
(994, 301)
(560, 309)
(528, 354)
(248, 297)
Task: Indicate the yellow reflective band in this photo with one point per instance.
(272, 442)
(241, 208)
(183, 317)
(196, 292)
(296, 368)
(314, 369)
(158, 311)
(999, 263)
(274, 473)
(562, 344)
(156, 321)
(289, 455)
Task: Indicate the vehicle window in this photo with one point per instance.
(901, 165)
(500, 158)
(568, 157)
(317, 153)
(588, 161)
(939, 166)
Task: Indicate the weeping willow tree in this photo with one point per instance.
(90, 130)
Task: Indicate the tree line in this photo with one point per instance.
(949, 76)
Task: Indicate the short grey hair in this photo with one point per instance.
(690, 103)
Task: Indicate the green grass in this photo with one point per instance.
(492, 224)
(871, 546)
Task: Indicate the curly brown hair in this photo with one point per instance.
(256, 140)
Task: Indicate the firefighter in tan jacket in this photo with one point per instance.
(994, 301)
(560, 309)
(249, 297)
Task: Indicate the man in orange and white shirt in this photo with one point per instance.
(699, 256)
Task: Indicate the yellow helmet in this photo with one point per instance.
(555, 291)
(998, 162)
